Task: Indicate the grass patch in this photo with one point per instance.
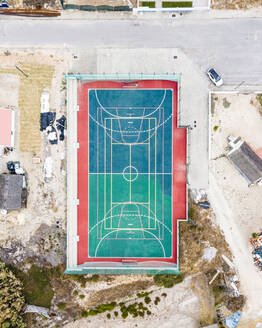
(37, 287)
(167, 280)
(215, 128)
(61, 306)
(150, 4)
(177, 4)
(217, 290)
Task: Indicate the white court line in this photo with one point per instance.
(163, 99)
(121, 132)
(142, 173)
(118, 215)
(157, 239)
(155, 128)
(149, 168)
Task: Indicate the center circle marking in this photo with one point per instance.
(130, 173)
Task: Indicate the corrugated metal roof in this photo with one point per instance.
(11, 186)
(247, 162)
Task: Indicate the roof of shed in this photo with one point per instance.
(11, 186)
(247, 162)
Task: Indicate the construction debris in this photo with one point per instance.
(256, 242)
(233, 320)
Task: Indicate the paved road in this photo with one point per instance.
(234, 46)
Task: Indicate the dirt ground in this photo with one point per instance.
(100, 2)
(235, 4)
(27, 231)
(187, 304)
(237, 206)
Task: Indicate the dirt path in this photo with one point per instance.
(250, 277)
(237, 206)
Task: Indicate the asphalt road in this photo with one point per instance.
(233, 46)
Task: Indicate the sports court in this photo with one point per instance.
(131, 172)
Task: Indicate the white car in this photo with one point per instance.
(215, 77)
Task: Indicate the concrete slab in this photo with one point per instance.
(193, 91)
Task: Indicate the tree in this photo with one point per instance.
(11, 299)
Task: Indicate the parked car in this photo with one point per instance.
(215, 77)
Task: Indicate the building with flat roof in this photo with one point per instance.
(7, 127)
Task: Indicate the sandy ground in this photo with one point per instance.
(185, 305)
(235, 4)
(237, 207)
(46, 201)
(99, 2)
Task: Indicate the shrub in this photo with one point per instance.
(75, 292)
(147, 299)
(108, 315)
(167, 280)
(157, 300)
(226, 103)
(116, 314)
(254, 235)
(61, 306)
(215, 128)
(84, 314)
(82, 296)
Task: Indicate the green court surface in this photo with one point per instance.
(130, 174)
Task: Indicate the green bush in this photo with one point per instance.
(177, 4)
(150, 4)
(147, 299)
(75, 292)
(108, 316)
(61, 306)
(84, 314)
(167, 280)
(215, 128)
(157, 300)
